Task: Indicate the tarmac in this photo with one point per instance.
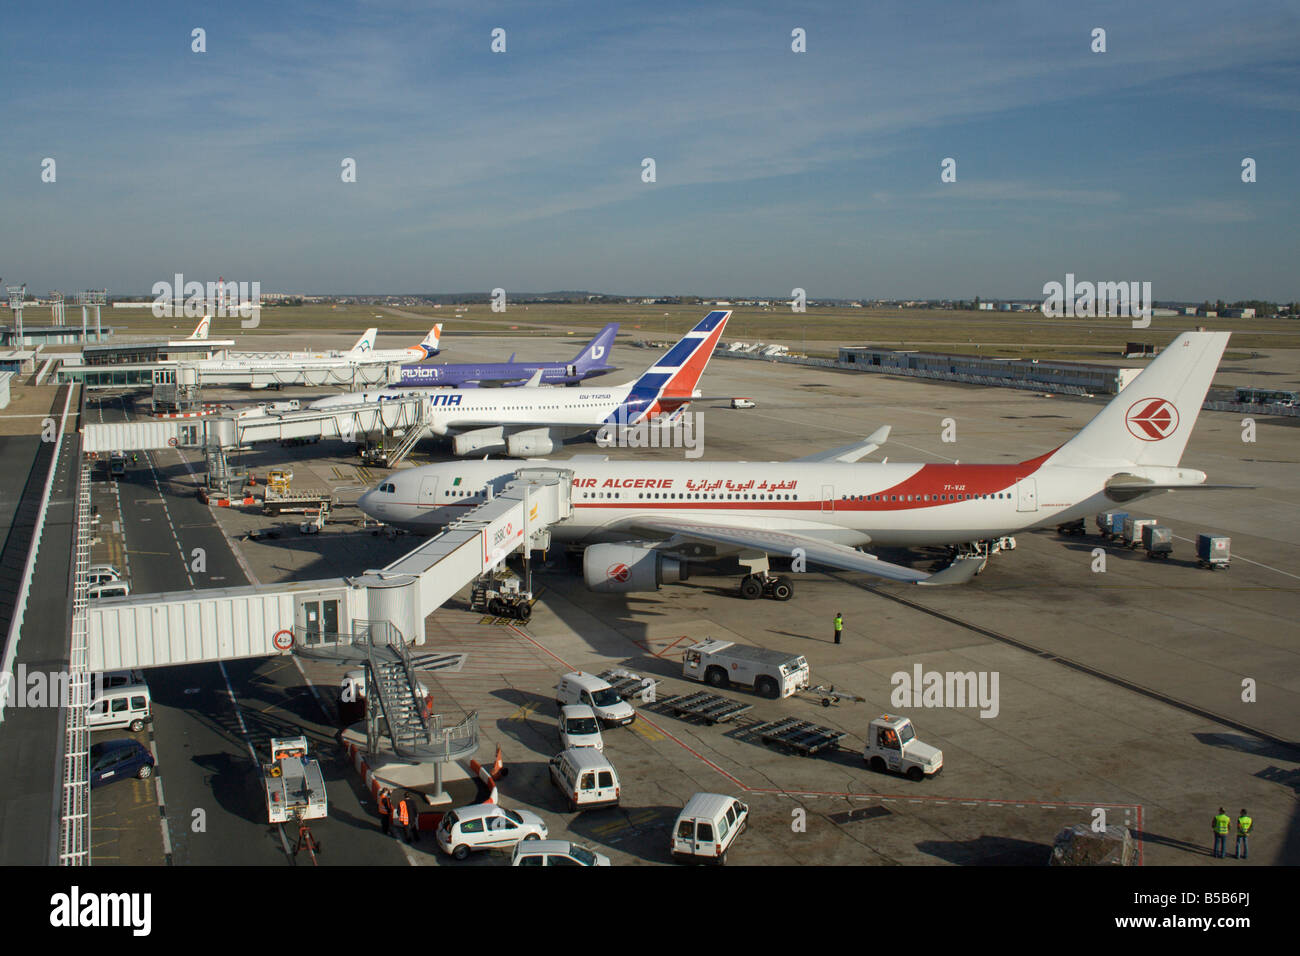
(1151, 693)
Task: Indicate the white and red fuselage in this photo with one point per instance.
(854, 504)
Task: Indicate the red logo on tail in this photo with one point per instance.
(1152, 419)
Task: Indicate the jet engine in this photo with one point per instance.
(618, 568)
(529, 444)
(479, 440)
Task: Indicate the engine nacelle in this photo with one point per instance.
(529, 444)
(618, 568)
(479, 440)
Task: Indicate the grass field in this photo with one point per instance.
(817, 332)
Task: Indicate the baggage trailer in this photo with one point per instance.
(721, 663)
(294, 784)
(710, 708)
(1213, 551)
(631, 687)
(1131, 536)
(1110, 524)
(801, 735)
(1157, 540)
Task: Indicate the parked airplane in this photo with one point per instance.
(641, 521)
(201, 330)
(365, 349)
(588, 363)
(537, 420)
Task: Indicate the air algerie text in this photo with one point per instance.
(623, 483)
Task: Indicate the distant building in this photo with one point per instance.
(1239, 313)
(985, 306)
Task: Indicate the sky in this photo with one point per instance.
(774, 169)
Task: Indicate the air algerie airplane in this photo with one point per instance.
(536, 419)
(641, 521)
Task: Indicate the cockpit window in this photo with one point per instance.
(388, 488)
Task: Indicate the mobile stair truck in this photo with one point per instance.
(723, 663)
(295, 789)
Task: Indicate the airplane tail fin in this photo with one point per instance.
(596, 352)
(1150, 422)
(201, 330)
(367, 342)
(430, 343)
(670, 382)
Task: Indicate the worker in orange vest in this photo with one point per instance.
(410, 817)
(385, 811)
(404, 815)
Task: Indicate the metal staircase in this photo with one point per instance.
(413, 434)
(394, 708)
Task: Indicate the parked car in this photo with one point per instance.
(113, 760)
(579, 728)
(586, 778)
(109, 589)
(556, 853)
(707, 827)
(486, 826)
(580, 688)
(126, 706)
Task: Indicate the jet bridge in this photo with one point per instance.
(324, 618)
(234, 430)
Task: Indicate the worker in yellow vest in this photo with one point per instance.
(1244, 823)
(839, 626)
(1220, 825)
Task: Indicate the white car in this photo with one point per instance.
(102, 574)
(743, 403)
(486, 826)
(579, 728)
(556, 853)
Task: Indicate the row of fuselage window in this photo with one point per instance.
(698, 496)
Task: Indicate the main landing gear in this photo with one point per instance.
(755, 586)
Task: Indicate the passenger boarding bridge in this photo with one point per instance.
(369, 619)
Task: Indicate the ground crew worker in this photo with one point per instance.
(404, 815)
(411, 819)
(385, 811)
(1220, 825)
(1244, 823)
(839, 625)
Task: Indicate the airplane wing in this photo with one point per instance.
(815, 550)
(1134, 487)
(852, 452)
(536, 380)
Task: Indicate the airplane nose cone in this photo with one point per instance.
(365, 503)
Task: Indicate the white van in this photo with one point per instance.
(102, 574)
(585, 778)
(579, 728)
(706, 828)
(580, 688)
(128, 706)
(109, 589)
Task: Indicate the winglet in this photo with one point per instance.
(854, 451)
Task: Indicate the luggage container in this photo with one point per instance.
(1111, 523)
(1213, 551)
(1131, 536)
(1157, 540)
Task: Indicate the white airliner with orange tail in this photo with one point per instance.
(641, 521)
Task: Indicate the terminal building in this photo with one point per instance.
(1074, 376)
